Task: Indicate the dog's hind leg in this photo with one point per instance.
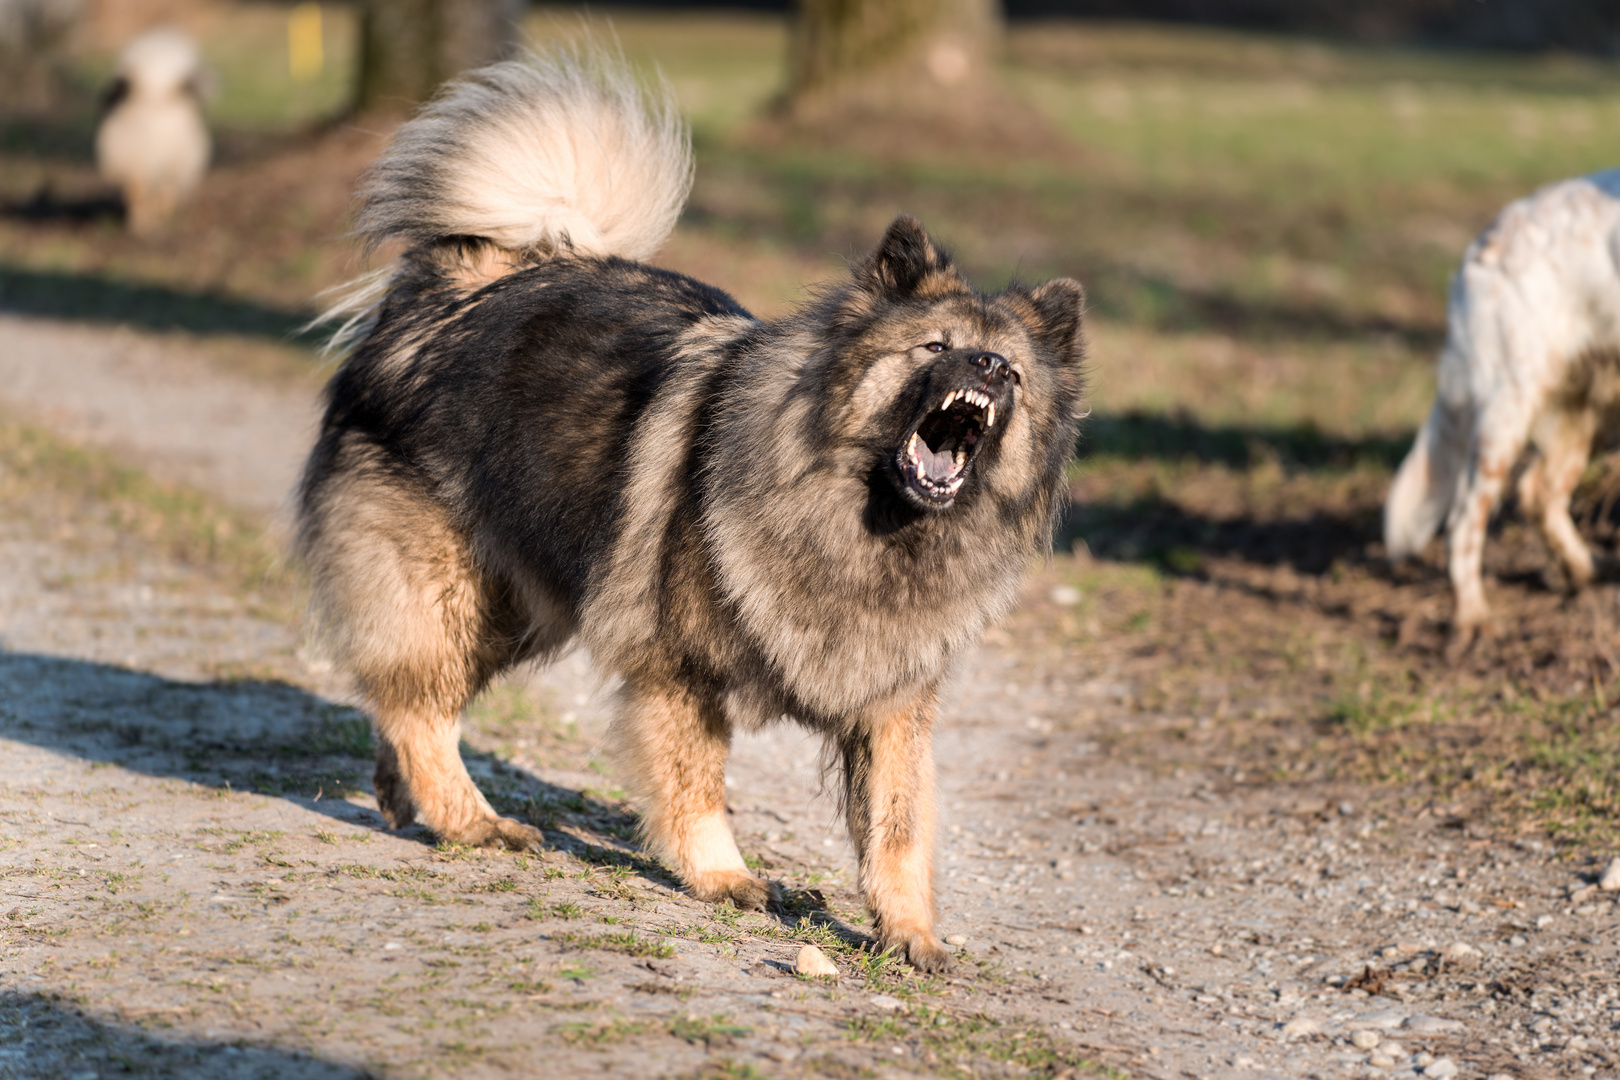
(1500, 436)
(421, 630)
(888, 761)
(1563, 438)
(674, 742)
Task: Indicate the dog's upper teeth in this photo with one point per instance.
(961, 459)
(990, 417)
(911, 447)
(950, 397)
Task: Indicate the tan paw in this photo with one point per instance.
(743, 889)
(923, 951)
(500, 832)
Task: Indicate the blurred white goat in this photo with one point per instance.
(1532, 359)
(152, 141)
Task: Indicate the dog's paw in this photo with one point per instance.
(500, 832)
(925, 952)
(744, 890)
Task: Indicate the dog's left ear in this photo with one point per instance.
(903, 259)
(1060, 304)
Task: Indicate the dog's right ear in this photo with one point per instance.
(904, 260)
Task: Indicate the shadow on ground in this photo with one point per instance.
(44, 1038)
(261, 736)
(94, 299)
(1137, 435)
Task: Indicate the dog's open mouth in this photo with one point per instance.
(934, 460)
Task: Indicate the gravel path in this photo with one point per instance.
(192, 882)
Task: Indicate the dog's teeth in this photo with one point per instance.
(990, 417)
(950, 397)
(911, 447)
(961, 460)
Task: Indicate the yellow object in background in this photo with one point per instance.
(304, 55)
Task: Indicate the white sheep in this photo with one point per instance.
(1532, 359)
(153, 142)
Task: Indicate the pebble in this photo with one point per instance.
(1609, 880)
(1301, 1025)
(1065, 595)
(1461, 951)
(1380, 1060)
(956, 939)
(1382, 1019)
(1431, 1025)
(813, 962)
(1393, 1049)
(1440, 1068)
(1365, 1040)
(886, 1003)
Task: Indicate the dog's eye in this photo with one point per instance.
(936, 346)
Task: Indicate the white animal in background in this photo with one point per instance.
(153, 142)
(1532, 360)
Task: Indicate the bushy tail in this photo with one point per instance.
(1426, 482)
(561, 153)
(558, 153)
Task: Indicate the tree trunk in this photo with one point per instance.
(911, 50)
(409, 47)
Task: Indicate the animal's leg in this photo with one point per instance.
(1499, 439)
(674, 744)
(889, 787)
(408, 615)
(420, 776)
(1564, 439)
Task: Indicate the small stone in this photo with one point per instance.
(1365, 1040)
(1609, 880)
(1382, 1019)
(886, 1003)
(956, 939)
(1421, 1059)
(1440, 1068)
(1431, 1025)
(812, 962)
(1393, 1049)
(1380, 1060)
(1300, 1026)
(1517, 940)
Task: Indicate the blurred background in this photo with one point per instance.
(1264, 198)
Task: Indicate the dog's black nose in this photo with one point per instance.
(994, 366)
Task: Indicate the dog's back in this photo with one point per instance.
(1534, 319)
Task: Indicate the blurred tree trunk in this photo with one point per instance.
(409, 47)
(911, 49)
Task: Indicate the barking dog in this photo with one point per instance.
(152, 141)
(537, 438)
(1532, 359)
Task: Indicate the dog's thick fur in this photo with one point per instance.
(536, 439)
(1532, 359)
(153, 142)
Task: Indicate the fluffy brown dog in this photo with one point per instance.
(538, 439)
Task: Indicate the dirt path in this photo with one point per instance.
(194, 881)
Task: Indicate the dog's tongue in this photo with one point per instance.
(938, 466)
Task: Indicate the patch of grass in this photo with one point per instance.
(629, 943)
(603, 1033)
(716, 1030)
(184, 524)
(967, 1045)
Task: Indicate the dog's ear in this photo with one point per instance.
(903, 260)
(1060, 305)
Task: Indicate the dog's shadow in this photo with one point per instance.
(278, 740)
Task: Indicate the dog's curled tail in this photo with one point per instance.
(560, 153)
(1426, 483)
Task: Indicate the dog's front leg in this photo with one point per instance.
(888, 760)
(674, 742)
